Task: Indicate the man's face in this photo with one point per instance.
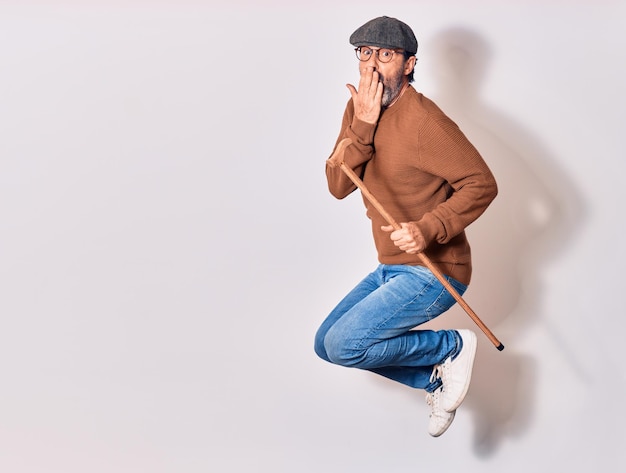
(392, 74)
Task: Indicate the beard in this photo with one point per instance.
(392, 86)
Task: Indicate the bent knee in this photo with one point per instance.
(319, 346)
(342, 352)
(320, 350)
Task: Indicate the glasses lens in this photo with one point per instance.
(385, 55)
(364, 53)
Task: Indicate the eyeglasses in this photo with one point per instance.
(363, 53)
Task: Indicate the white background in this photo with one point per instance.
(168, 246)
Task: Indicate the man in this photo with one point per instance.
(428, 176)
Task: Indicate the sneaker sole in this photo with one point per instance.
(471, 342)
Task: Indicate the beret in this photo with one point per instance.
(385, 32)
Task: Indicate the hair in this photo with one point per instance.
(407, 55)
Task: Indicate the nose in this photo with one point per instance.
(372, 62)
(374, 59)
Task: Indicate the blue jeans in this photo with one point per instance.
(371, 327)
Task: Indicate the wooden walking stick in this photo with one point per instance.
(366, 193)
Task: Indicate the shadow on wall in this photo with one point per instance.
(530, 224)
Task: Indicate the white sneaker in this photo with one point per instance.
(440, 420)
(456, 373)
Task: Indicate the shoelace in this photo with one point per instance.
(433, 399)
(438, 372)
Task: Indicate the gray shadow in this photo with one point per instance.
(529, 226)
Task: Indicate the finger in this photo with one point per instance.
(352, 90)
(374, 83)
(397, 237)
(387, 228)
(408, 248)
(372, 89)
(379, 92)
(367, 76)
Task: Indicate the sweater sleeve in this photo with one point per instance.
(444, 151)
(356, 155)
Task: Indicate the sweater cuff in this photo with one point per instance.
(363, 131)
(431, 228)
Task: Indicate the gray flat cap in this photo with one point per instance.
(385, 32)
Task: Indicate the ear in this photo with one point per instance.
(409, 65)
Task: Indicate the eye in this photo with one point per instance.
(385, 53)
(366, 52)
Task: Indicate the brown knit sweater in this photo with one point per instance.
(422, 169)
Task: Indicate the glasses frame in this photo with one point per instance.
(376, 52)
